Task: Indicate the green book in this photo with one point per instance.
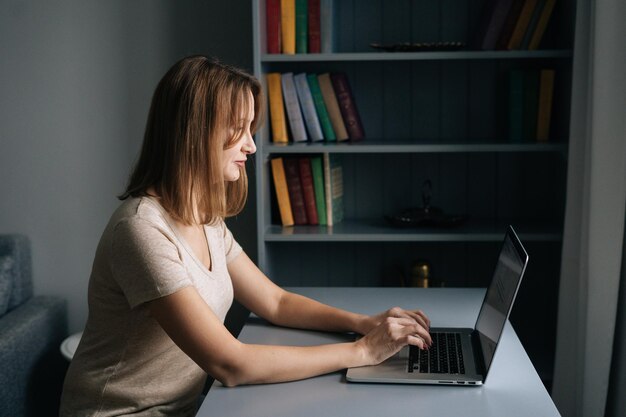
(516, 103)
(318, 185)
(320, 107)
(302, 27)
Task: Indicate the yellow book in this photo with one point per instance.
(541, 25)
(277, 108)
(332, 106)
(522, 24)
(546, 88)
(282, 193)
(288, 26)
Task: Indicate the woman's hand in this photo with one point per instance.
(370, 322)
(390, 336)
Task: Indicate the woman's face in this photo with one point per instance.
(235, 157)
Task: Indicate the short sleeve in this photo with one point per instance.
(231, 247)
(145, 262)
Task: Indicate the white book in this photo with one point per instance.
(296, 124)
(308, 107)
(327, 26)
(333, 188)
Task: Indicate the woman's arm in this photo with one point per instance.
(193, 326)
(261, 296)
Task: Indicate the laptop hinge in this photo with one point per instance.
(479, 358)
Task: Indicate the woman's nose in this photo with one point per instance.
(249, 145)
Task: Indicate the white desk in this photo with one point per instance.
(513, 387)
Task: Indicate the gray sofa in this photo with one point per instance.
(31, 331)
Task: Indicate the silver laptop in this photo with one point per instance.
(459, 356)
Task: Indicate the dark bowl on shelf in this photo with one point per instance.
(420, 217)
(419, 47)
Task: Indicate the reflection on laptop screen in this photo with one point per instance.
(499, 298)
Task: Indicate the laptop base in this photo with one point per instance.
(395, 369)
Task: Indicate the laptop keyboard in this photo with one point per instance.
(445, 356)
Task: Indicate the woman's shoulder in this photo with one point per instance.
(139, 212)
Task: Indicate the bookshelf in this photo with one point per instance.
(428, 115)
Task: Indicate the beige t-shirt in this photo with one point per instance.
(125, 363)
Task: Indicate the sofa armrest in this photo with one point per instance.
(32, 366)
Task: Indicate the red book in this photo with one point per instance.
(272, 23)
(308, 190)
(296, 197)
(347, 106)
(315, 44)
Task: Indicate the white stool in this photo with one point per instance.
(69, 345)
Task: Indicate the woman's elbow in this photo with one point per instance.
(230, 378)
(229, 373)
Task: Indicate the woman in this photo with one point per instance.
(167, 268)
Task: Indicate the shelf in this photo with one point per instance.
(408, 146)
(375, 230)
(417, 56)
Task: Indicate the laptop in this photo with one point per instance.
(459, 356)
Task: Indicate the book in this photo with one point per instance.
(294, 186)
(296, 124)
(492, 21)
(516, 109)
(317, 171)
(332, 107)
(288, 26)
(277, 110)
(333, 188)
(314, 27)
(282, 193)
(327, 26)
(272, 26)
(532, 25)
(320, 108)
(531, 104)
(305, 98)
(509, 24)
(302, 27)
(535, 40)
(521, 25)
(308, 189)
(546, 88)
(347, 106)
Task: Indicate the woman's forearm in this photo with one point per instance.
(295, 310)
(253, 364)
(269, 364)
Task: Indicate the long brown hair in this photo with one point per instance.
(195, 108)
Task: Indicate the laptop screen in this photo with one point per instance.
(500, 295)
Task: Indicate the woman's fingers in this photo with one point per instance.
(417, 315)
(409, 326)
(419, 318)
(416, 341)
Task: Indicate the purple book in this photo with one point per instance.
(492, 22)
(347, 106)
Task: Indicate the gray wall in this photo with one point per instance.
(76, 78)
